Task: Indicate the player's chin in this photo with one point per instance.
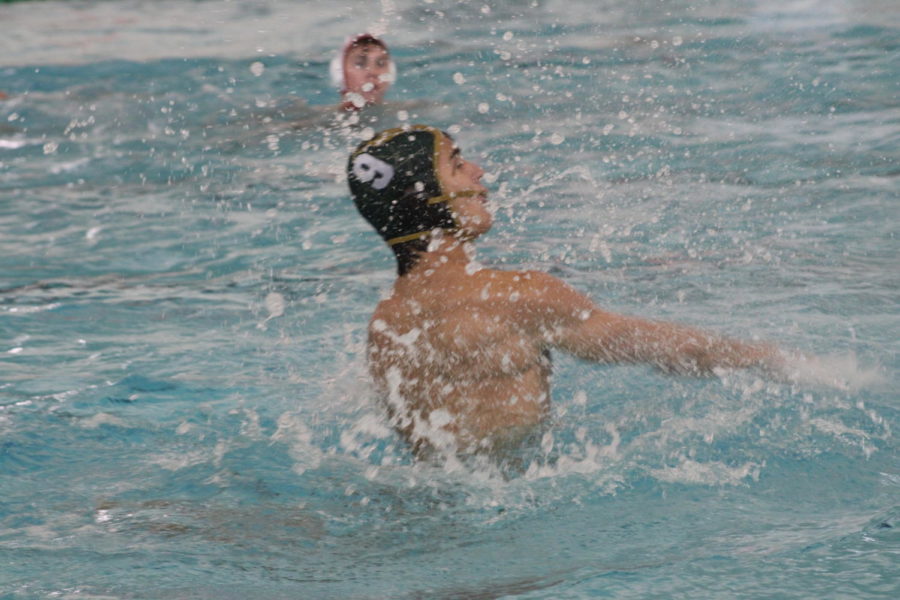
(479, 224)
(374, 97)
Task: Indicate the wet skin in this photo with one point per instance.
(366, 72)
(459, 352)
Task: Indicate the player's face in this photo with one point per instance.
(367, 72)
(461, 177)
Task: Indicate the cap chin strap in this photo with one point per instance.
(444, 198)
(407, 238)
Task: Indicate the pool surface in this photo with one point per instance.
(185, 288)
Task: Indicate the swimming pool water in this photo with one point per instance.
(185, 286)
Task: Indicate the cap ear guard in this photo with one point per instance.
(336, 71)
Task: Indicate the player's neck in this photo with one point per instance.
(445, 253)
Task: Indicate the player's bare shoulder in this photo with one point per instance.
(535, 298)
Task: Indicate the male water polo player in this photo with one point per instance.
(459, 353)
(363, 71)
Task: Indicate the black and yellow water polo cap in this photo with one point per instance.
(395, 184)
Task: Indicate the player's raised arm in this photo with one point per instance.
(568, 320)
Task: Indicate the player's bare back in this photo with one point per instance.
(456, 354)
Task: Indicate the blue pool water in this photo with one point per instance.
(185, 286)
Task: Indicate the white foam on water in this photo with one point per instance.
(850, 435)
(707, 473)
(13, 144)
(842, 372)
(292, 430)
(25, 310)
(100, 419)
